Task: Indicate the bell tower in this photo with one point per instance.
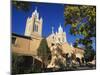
(34, 25)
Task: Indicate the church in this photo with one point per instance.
(57, 37)
(31, 43)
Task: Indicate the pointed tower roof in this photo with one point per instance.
(71, 45)
(60, 29)
(35, 12)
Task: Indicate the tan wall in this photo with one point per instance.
(21, 43)
(79, 53)
(26, 46)
(34, 45)
(66, 48)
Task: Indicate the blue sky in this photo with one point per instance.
(52, 14)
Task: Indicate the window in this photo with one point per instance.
(35, 28)
(13, 40)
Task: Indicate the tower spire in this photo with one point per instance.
(60, 28)
(36, 8)
(52, 30)
(35, 12)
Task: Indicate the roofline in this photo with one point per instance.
(26, 37)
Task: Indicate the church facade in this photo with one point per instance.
(30, 42)
(57, 37)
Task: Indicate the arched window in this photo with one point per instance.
(37, 28)
(34, 27)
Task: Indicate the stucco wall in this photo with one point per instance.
(26, 46)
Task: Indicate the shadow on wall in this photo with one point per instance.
(28, 64)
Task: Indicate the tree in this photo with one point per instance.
(44, 51)
(21, 64)
(82, 19)
(22, 5)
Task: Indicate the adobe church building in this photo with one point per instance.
(32, 42)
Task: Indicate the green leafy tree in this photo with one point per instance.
(22, 5)
(44, 51)
(82, 19)
(21, 64)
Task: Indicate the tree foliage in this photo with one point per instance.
(82, 19)
(44, 51)
(22, 5)
(25, 64)
(21, 64)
